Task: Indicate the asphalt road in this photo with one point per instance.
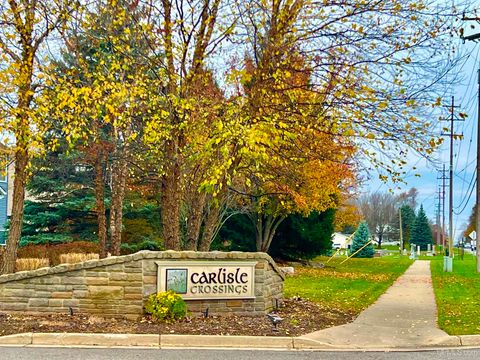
(43, 353)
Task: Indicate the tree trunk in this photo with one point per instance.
(100, 201)
(265, 228)
(380, 237)
(22, 137)
(194, 220)
(119, 177)
(171, 197)
(209, 229)
(15, 231)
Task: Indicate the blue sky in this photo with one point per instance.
(464, 151)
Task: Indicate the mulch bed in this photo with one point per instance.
(299, 317)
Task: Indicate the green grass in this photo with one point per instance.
(351, 287)
(458, 295)
(390, 247)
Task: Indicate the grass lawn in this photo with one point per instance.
(352, 286)
(458, 295)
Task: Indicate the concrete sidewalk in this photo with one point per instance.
(405, 316)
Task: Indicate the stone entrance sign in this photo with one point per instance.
(223, 282)
(208, 279)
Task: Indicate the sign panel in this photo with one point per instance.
(208, 279)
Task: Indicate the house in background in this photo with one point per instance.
(341, 241)
(6, 193)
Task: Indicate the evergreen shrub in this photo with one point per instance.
(361, 237)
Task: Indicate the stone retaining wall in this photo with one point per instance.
(118, 286)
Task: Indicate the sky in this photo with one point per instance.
(464, 178)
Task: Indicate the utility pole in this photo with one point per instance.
(476, 37)
(448, 259)
(437, 215)
(444, 178)
(450, 190)
(477, 228)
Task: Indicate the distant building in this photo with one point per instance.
(341, 241)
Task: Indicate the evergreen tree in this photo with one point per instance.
(361, 237)
(421, 231)
(408, 219)
(237, 234)
(303, 238)
(63, 205)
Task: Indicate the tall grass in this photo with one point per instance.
(26, 264)
(73, 258)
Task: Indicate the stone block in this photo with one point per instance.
(105, 292)
(133, 296)
(37, 302)
(133, 290)
(132, 309)
(96, 281)
(55, 303)
(61, 294)
(150, 279)
(149, 266)
(71, 302)
(133, 264)
(93, 273)
(116, 267)
(234, 303)
(16, 306)
(260, 266)
(117, 276)
(41, 294)
(19, 293)
(67, 280)
(149, 289)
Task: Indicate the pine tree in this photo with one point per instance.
(421, 231)
(408, 219)
(361, 237)
(303, 238)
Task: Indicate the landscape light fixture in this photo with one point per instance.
(205, 313)
(275, 320)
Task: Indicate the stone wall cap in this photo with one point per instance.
(145, 254)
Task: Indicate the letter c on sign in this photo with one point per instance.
(192, 278)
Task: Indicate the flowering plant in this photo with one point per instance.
(166, 306)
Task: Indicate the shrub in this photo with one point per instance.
(73, 258)
(166, 306)
(26, 264)
(151, 245)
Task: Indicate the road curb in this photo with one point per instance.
(170, 341)
(469, 340)
(17, 339)
(108, 340)
(225, 342)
